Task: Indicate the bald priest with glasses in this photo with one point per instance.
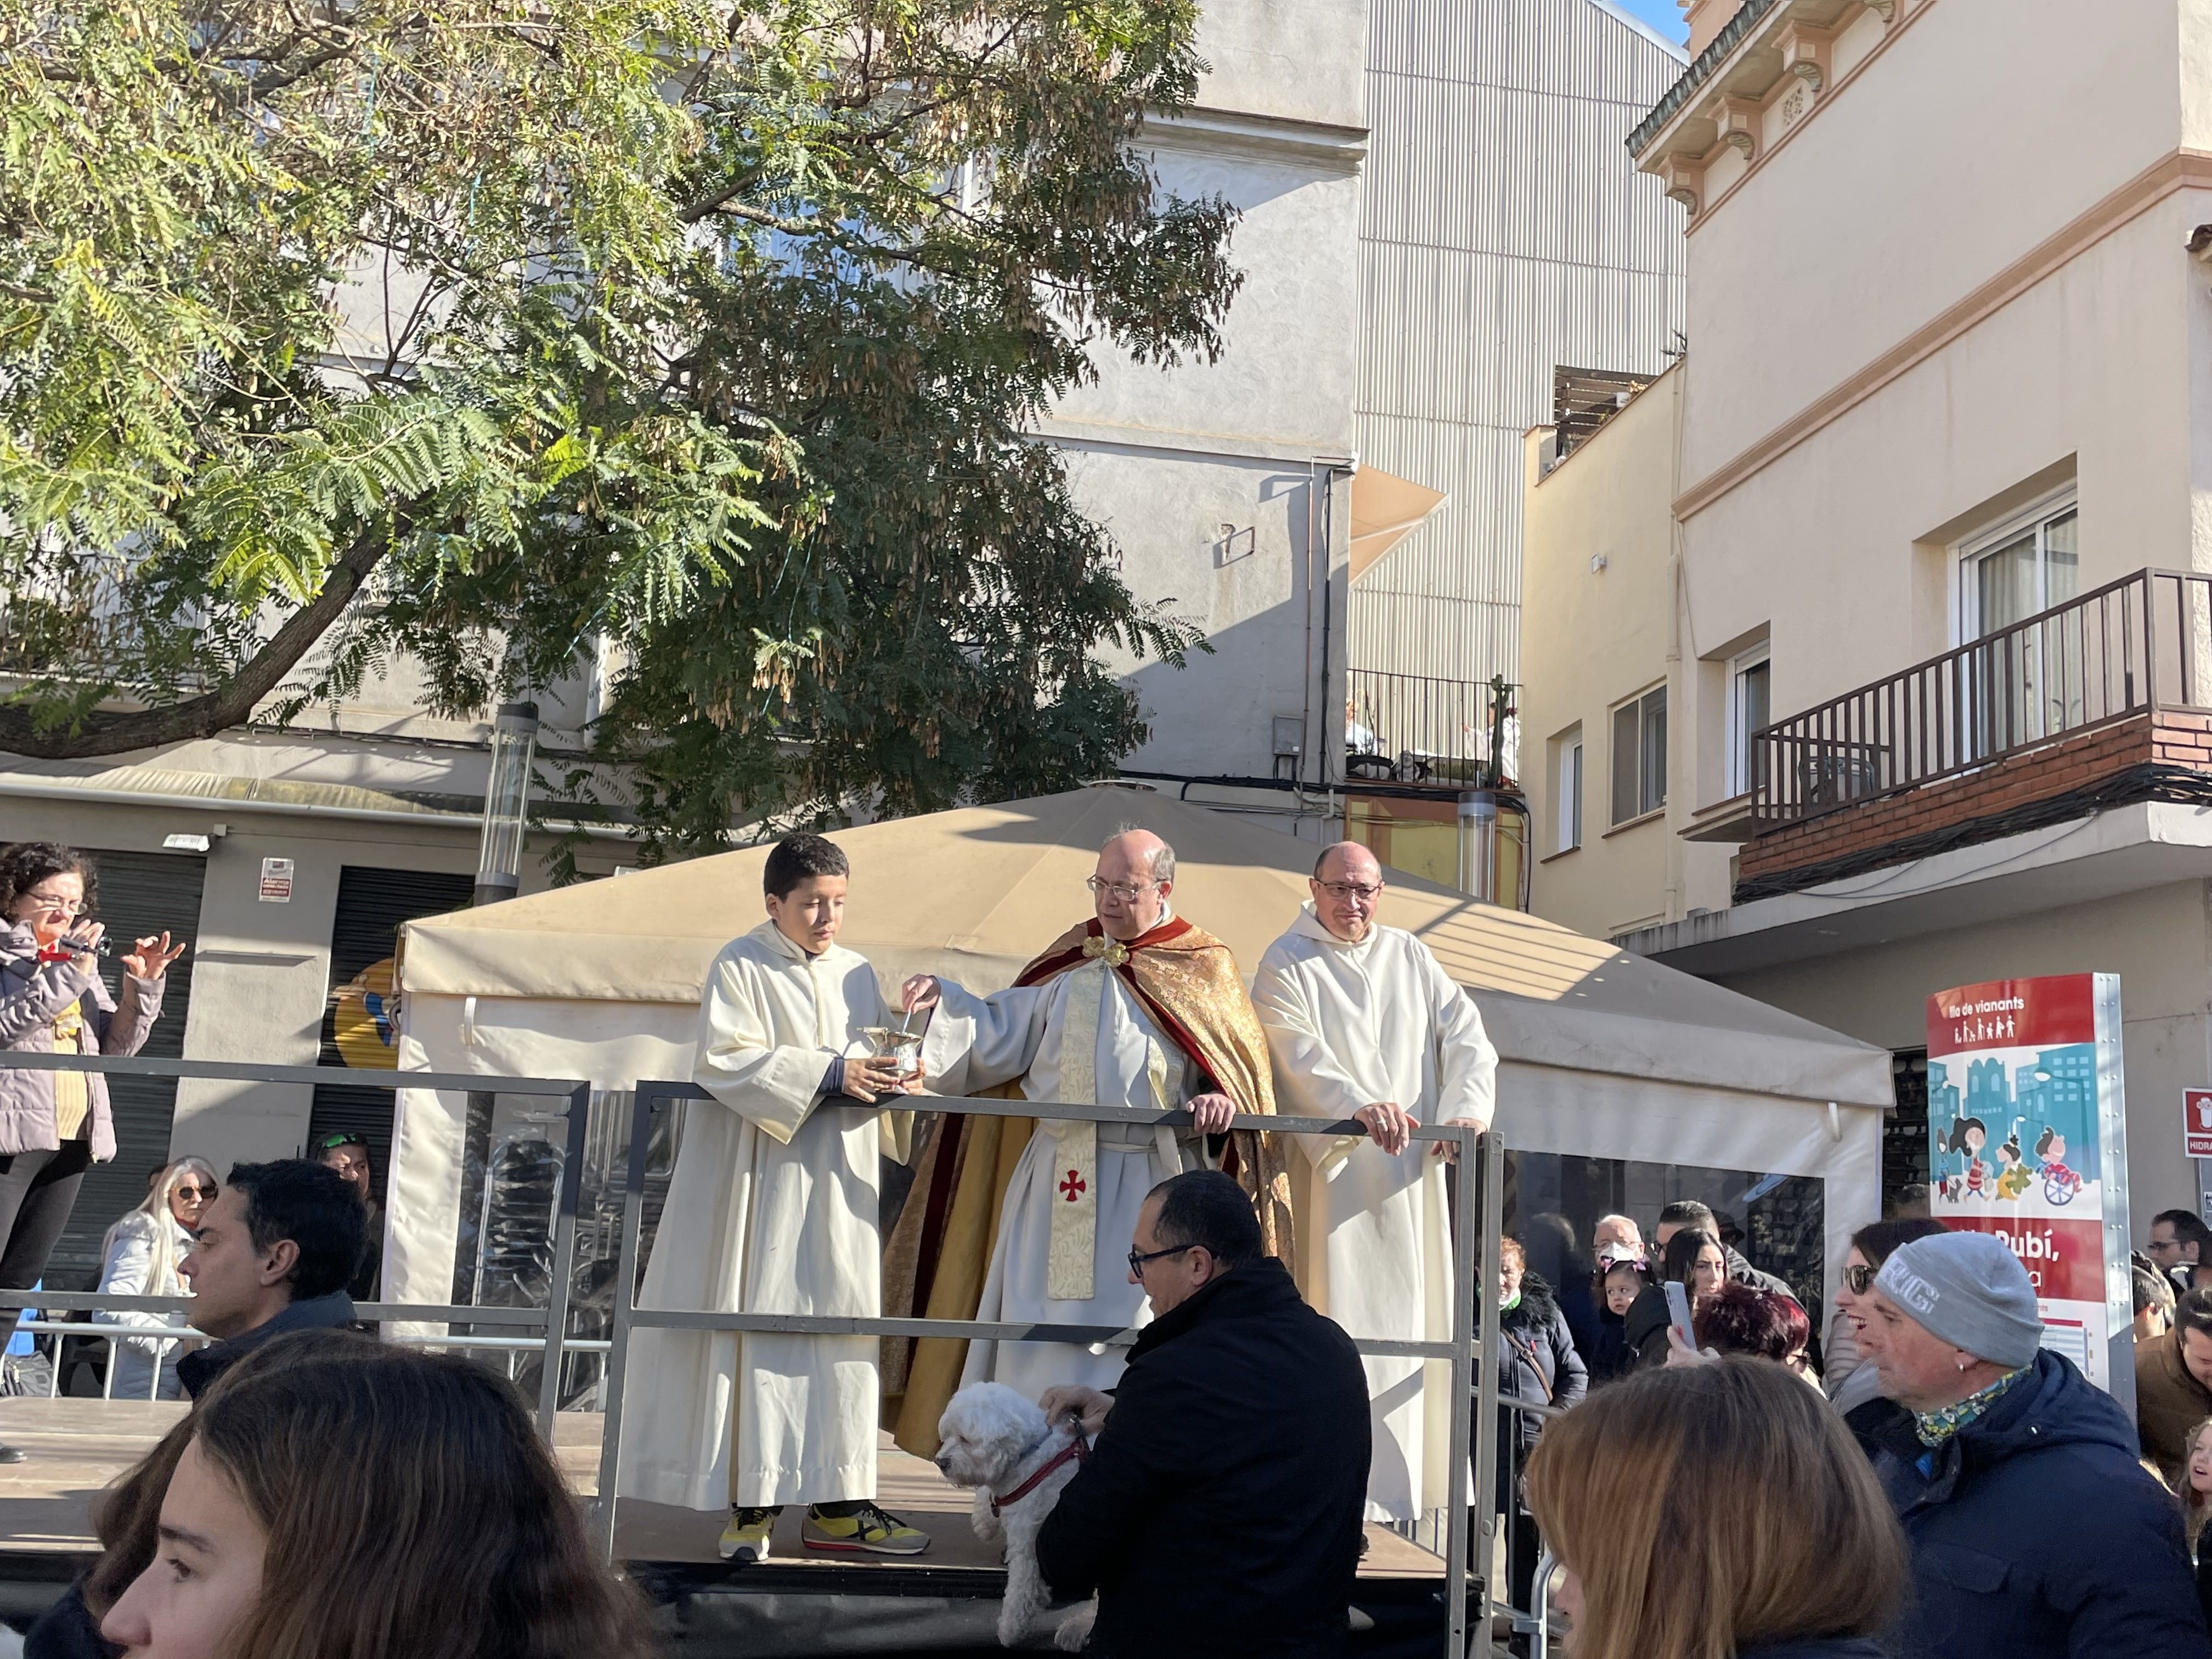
(1138, 1008)
(1364, 1023)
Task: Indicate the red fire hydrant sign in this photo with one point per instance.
(2196, 1122)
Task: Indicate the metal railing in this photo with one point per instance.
(1409, 728)
(541, 1328)
(2141, 643)
(1477, 1205)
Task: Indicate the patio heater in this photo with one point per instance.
(507, 803)
(499, 874)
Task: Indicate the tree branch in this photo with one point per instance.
(234, 703)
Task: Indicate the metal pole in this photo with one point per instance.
(564, 1258)
(1491, 1164)
(1540, 1607)
(633, 1229)
(1468, 1281)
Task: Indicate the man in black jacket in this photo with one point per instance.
(1219, 1513)
(273, 1253)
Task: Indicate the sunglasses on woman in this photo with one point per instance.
(1860, 1278)
(185, 1189)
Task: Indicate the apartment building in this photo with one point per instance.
(1868, 651)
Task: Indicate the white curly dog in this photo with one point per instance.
(997, 1441)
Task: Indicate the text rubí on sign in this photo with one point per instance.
(2196, 1122)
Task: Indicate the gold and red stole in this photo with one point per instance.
(935, 1259)
(1187, 980)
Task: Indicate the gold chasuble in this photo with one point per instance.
(936, 1257)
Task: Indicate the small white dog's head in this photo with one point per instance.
(984, 1431)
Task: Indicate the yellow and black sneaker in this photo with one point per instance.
(745, 1538)
(859, 1528)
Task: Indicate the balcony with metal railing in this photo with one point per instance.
(2103, 700)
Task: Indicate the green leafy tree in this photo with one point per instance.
(716, 332)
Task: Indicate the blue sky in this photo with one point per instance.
(1662, 16)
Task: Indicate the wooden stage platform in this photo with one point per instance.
(74, 1448)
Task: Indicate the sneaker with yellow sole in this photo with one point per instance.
(745, 1538)
(867, 1531)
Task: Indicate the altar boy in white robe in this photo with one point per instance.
(1364, 1025)
(773, 1209)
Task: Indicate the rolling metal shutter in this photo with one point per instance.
(140, 894)
(371, 905)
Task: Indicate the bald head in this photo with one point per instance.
(1135, 873)
(1346, 886)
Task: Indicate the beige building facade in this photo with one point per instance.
(1910, 543)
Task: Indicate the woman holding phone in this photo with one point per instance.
(1717, 1511)
(1694, 1260)
(55, 1124)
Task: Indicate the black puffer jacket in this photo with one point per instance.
(1537, 1358)
(1219, 1516)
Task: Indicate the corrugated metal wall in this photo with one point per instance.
(1505, 231)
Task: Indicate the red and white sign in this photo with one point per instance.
(2196, 1122)
(2026, 1142)
(276, 881)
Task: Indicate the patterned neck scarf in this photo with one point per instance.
(1935, 1427)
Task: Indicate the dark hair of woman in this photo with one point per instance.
(26, 863)
(1877, 1239)
(411, 1513)
(1744, 1319)
(1680, 1262)
(125, 1517)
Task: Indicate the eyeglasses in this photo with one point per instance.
(1125, 891)
(66, 906)
(1860, 1278)
(1137, 1262)
(331, 1143)
(1352, 890)
(197, 1192)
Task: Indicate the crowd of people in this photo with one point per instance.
(1919, 1477)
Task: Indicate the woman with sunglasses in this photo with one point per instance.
(139, 1257)
(1852, 1386)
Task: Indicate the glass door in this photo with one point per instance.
(2023, 683)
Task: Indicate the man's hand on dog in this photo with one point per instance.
(1068, 1398)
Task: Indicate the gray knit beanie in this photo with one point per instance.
(1969, 1289)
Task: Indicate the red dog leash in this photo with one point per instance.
(1075, 1451)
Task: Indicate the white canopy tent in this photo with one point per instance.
(1603, 1054)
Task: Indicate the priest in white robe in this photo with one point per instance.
(1363, 1023)
(772, 1208)
(1136, 1009)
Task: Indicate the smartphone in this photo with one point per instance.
(1677, 1311)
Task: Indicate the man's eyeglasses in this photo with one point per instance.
(1352, 890)
(1127, 891)
(1860, 1278)
(1137, 1262)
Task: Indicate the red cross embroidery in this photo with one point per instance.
(1073, 1186)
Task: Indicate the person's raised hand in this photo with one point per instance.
(84, 940)
(919, 994)
(1064, 1399)
(151, 957)
(1210, 1113)
(1388, 1125)
(1680, 1353)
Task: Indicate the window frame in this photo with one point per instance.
(1646, 803)
(1568, 781)
(1737, 768)
(1968, 552)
